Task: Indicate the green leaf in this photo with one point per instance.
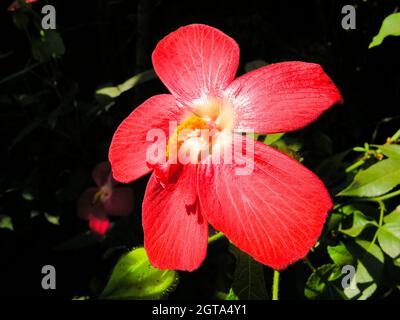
(49, 45)
(370, 261)
(81, 298)
(365, 207)
(390, 27)
(333, 221)
(268, 139)
(371, 253)
(231, 295)
(249, 282)
(52, 219)
(390, 150)
(378, 179)
(340, 255)
(6, 222)
(272, 138)
(394, 216)
(389, 238)
(320, 285)
(116, 91)
(134, 277)
(360, 222)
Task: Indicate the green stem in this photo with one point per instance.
(382, 210)
(309, 264)
(382, 198)
(359, 163)
(20, 73)
(215, 237)
(396, 136)
(275, 286)
(355, 165)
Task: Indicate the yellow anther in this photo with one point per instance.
(98, 195)
(192, 127)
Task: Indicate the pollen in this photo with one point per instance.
(189, 128)
(199, 132)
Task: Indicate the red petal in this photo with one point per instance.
(195, 61)
(128, 146)
(99, 225)
(175, 232)
(275, 214)
(282, 97)
(120, 203)
(101, 173)
(15, 5)
(85, 203)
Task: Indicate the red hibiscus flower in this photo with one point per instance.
(276, 212)
(97, 203)
(15, 5)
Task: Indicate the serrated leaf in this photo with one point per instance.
(360, 222)
(340, 255)
(390, 27)
(378, 179)
(390, 150)
(319, 286)
(389, 238)
(249, 282)
(116, 91)
(134, 277)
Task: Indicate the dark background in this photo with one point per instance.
(53, 129)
